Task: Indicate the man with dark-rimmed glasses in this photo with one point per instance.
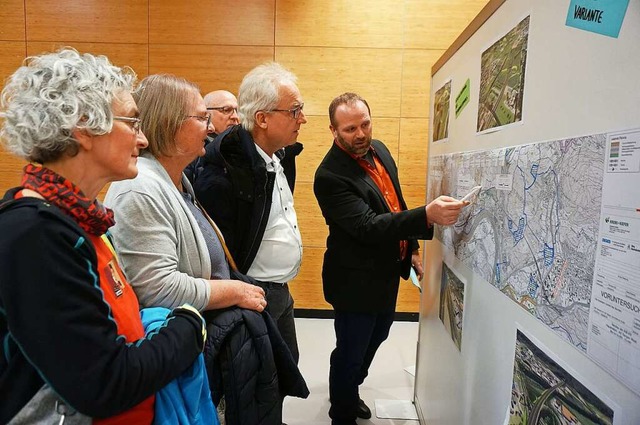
(223, 107)
(242, 185)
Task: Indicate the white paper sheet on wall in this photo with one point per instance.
(614, 318)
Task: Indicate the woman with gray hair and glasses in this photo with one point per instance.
(69, 320)
(170, 249)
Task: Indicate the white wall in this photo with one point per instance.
(577, 83)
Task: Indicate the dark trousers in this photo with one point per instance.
(280, 307)
(358, 336)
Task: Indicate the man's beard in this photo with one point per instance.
(360, 150)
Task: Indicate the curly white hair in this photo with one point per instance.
(52, 95)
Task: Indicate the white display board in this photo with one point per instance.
(579, 87)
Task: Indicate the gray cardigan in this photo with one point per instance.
(161, 248)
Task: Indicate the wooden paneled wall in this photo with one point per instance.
(383, 50)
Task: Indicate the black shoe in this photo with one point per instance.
(334, 422)
(362, 410)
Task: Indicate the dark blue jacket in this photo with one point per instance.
(234, 187)
(193, 169)
(248, 362)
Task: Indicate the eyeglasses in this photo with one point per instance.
(294, 111)
(202, 118)
(134, 121)
(225, 110)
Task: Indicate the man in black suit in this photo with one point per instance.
(371, 243)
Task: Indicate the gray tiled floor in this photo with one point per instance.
(387, 378)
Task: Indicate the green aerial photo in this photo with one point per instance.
(441, 112)
(543, 393)
(502, 79)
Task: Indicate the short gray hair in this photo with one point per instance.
(259, 91)
(53, 94)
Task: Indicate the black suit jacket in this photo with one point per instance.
(361, 269)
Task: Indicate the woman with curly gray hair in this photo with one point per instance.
(73, 339)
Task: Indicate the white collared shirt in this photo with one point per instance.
(280, 252)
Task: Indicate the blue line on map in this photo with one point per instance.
(549, 254)
(533, 286)
(498, 267)
(557, 204)
(534, 174)
(518, 233)
(568, 335)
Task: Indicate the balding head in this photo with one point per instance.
(223, 107)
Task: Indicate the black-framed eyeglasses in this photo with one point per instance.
(202, 118)
(225, 110)
(293, 111)
(134, 121)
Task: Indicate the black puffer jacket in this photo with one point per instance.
(248, 362)
(234, 187)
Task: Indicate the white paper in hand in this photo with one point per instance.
(473, 195)
(414, 279)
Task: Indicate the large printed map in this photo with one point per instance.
(533, 231)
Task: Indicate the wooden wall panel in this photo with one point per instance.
(414, 148)
(12, 20)
(408, 298)
(306, 288)
(324, 73)
(416, 81)
(131, 55)
(387, 130)
(114, 21)
(12, 53)
(248, 23)
(408, 295)
(437, 23)
(317, 139)
(414, 196)
(211, 67)
(313, 228)
(412, 172)
(10, 171)
(339, 23)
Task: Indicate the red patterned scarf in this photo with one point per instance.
(55, 189)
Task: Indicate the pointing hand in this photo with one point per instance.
(444, 210)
